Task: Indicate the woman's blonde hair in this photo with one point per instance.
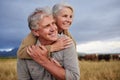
(57, 7)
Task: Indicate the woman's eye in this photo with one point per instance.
(65, 16)
(71, 16)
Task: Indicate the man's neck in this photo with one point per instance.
(44, 42)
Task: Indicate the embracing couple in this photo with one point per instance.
(49, 52)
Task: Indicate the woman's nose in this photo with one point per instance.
(69, 19)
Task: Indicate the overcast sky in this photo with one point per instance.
(96, 25)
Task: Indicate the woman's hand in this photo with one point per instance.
(61, 43)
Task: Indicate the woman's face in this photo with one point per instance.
(64, 18)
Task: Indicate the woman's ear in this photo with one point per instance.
(35, 32)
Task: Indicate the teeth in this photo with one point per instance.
(66, 23)
(52, 34)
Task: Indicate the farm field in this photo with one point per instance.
(8, 69)
(89, 70)
(103, 70)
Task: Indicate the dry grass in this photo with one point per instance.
(8, 69)
(100, 70)
(89, 70)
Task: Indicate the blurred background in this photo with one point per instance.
(96, 26)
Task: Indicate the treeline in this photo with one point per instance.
(99, 57)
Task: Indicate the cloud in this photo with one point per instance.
(98, 21)
(99, 47)
(94, 21)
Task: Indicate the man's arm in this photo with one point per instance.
(70, 63)
(39, 54)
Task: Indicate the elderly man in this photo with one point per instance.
(61, 65)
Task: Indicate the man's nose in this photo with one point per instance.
(52, 28)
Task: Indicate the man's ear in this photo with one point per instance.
(35, 32)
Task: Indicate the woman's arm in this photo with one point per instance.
(61, 43)
(22, 51)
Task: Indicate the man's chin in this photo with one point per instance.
(55, 39)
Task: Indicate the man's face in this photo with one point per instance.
(47, 29)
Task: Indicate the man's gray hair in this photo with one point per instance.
(57, 7)
(37, 15)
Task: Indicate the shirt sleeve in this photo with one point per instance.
(22, 70)
(27, 41)
(71, 64)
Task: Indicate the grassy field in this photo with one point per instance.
(8, 69)
(89, 70)
(100, 70)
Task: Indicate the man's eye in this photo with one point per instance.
(46, 26)
(53, 23)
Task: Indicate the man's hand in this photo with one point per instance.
(38, 54)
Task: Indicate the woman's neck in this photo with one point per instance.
(60, 31)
